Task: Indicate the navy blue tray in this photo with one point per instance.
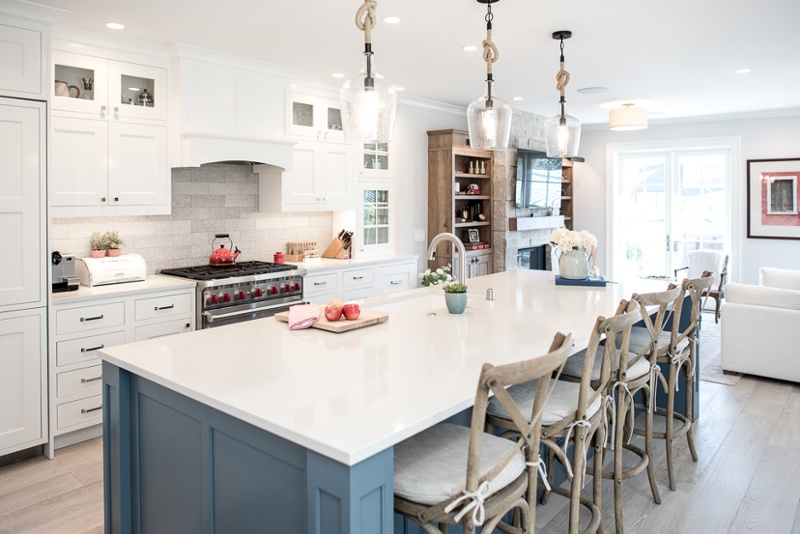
(587, 282)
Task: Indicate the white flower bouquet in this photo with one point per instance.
(572, 240)
(439, 276)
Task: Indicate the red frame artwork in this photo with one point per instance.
(773, 194)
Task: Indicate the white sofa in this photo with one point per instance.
(761, 326)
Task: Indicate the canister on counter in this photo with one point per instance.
(278, 257)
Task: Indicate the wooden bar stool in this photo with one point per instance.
(430, 485)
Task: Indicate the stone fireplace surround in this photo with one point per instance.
(527, 132)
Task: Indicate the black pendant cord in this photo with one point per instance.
(369, 80)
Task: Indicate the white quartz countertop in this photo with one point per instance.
(325, 264)
(154, 282)
(349, 396)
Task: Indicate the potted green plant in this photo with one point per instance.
(112, 243)
(455, 297)
(98, 245)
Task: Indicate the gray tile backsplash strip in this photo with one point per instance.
(213, 199)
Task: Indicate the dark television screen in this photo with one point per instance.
(538, 181)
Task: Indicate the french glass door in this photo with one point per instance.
(668, 203)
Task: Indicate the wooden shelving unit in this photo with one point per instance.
(450, 209)
(566, 194)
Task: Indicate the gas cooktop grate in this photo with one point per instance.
(245, 268)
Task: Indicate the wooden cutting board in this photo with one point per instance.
(367, 318)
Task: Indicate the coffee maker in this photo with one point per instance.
(63, 276)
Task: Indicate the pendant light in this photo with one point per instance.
(628, 117)
(369, 102)
(562, 133)
(489, 118)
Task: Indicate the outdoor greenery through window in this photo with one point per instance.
(375, 207)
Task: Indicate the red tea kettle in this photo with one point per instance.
(223, 257)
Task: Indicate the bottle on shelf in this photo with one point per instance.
(483, 167)
(472, 167)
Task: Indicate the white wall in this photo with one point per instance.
(415, 119)
(760, 138)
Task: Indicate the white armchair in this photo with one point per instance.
(760, 334)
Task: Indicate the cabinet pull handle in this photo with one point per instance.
(93, 379)
(86, 319)
(102, 199)
(320, 283)
(159, 308)
(102, 110)
(188, 325)
(358, 278)
(396, 282)
(116, 111)
(88, 410)
(83, 349)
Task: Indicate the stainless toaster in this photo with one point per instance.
(63, 270)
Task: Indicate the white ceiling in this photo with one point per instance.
(676, 58)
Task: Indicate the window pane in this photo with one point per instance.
(383, 235)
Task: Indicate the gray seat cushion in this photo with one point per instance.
(562, 402)
(431, 467)
(574, 365)
(640, 338)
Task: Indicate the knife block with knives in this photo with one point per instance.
(340, 248)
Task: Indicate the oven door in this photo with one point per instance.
(246, 312)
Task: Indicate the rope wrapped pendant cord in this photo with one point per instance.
(366, 18)
(490, 52)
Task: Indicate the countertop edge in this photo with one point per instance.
(154, 282)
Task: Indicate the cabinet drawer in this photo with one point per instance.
(176, 326)
(318, 283)
(85, 382)
(85, 348)
(396, 278)
(323, 297)
(358, 293)
(90, 317)
(88, 410)
(358, 277)
(163, 306)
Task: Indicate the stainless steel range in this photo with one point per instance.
(242, 292)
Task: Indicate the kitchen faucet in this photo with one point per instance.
(462, 253)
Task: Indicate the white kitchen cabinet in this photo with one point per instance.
(22, 203)
(396, 277)
(321, 179)
(117, 167)
(22, 71)
(317, 118)
(23, 383)
(107, 89)
(377, 160)
(359, 281)
(80, 327)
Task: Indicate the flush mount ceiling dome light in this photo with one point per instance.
(489, 118)
(562, 133)
(628, 117)
(369, 102)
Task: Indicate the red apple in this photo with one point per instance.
(333, 313)
(351, 311)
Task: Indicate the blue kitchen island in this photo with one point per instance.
(255, 428)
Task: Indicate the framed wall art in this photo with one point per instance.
(772, 198)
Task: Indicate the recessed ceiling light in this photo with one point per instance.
(337, 75)
(517, 98)
(115, 26)
(593, 90)
(469, 48)
(399, 88)
(391, 20)
(742, 71)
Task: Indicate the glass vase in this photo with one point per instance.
(573, 265)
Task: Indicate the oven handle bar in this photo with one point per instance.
(211, 317)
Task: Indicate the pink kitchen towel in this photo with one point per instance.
(302, 316)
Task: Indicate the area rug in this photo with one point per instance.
(712, 372)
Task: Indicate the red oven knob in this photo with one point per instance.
(213, 299)
(226, 297)
(258, 292)
(297, 286)
(287, 288)
(273, 290)
(241, 295)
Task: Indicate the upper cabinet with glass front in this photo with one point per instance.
(108, 89)
(377, 161)
(317, 118)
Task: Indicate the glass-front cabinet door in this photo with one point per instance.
(317, 118)
(377, 161)
(108, 89)
(376, 220)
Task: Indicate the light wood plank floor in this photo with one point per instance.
(747, 479)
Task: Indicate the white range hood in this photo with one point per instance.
(229, 108)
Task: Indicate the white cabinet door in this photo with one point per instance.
(80, 83)
(126, 84)
(22, 379)
(78, 162)
(22, 153)
(334, 182)
(317, 118)
(299, 183)
(21, 67)
(137, 165)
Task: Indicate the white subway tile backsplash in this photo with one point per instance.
(208, 200)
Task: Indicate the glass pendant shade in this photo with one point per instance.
(562, 136)
(489, 123)
(369, 106)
